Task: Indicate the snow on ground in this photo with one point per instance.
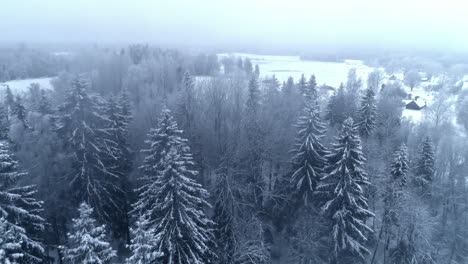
(330, 73)
(334, 73)
(414, 116)
(21, 86)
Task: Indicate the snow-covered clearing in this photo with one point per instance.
(21, 86)
(330, 73)
(334, 73)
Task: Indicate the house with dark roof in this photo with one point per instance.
(416, 104)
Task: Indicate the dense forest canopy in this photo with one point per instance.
(144, 155)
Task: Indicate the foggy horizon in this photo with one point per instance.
(254, 25)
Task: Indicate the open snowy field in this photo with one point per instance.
(20, 86)
(330, 73)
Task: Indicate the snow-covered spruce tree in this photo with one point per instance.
(87, 243)
(187, 103)
(309, 153)
(119, 163)
(224, 218)
(9, 100)
(254, 140)
(171, 200)
(10, 243)
(143, 244)
(367, 114)
(302, 85)
(4, 122)
(393, 197)
(19, 111)
(400, 167)
(312, 87)
(19, 211)
(81, 124)
(289, 87)
(336, 110)
(341, 192)
(425, 167)
(248, 67)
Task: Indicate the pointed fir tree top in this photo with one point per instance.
(160, 140)
(309, 153)
(253, 100)
(143, 243)
(87, 242)
(188, 81)
(399, 166)
(367, 114)
(312, 82)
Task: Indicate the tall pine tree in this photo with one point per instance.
(19, 214)
(142, 244)
(4, 122)
(87, 243)
(367, 114)
(224, 218)
(254, 140)
(343, 198)
(171, 199)
(309, 153)
(312, 87)
(425, 167)
(336, 110)
(302, 85)
(19, 111)
(120, 163)
(85, 130)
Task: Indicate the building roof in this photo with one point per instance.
(416, 104)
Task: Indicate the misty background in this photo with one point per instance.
(233, 132)
(292, 26)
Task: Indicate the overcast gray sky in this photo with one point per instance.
(422, 23)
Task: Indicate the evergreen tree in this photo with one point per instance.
(367, 114)
(87, 243)
(248, 67)
(399, 167)
(302, 85)
(86, 134)
(336, 112)
(309, 153)
(9, 100)
(312, 87)
(171, 200)
(19, 214)
(118, 117)
(393, 203)
(425, 167)
(257, 70)
(10, 243)
(4, 123)
(19, 111)
(289, 87)
(343, 199)
(224, 218)
(143, 244)
(43, 106)
(187, 103)
(254, 140)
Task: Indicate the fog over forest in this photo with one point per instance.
(233, 132)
